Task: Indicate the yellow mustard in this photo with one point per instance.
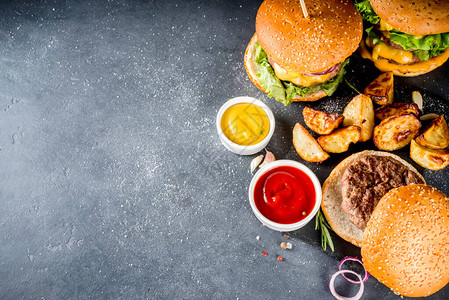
(245, 124)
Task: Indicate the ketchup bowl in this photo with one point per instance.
(285, 195)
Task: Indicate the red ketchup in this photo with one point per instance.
(284, 195)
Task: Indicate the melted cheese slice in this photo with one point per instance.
(400, 56)
(423, 66)
(297, 78)
(384, 26)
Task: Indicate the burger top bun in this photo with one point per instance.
(329, 35)
(251, 69)
(406, 242)
(417, 17)
(332, 197)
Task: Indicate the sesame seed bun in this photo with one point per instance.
(417, 17)
(330, 34)
(251, 69)
(332, 197)
(406, 242)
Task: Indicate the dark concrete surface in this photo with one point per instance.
(114, 184)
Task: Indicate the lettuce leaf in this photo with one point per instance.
(372, 35)
(368, 14)
(423, 55)
(284, 91)
(425, 47)
(268, 79)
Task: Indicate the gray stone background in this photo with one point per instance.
(114, 184)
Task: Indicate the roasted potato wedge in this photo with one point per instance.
(381, 89)
(396, 108)
(431, 159)
(339, 140)
(306, 146)
(396, 132)
(435, 135)
(360, 112)
(321, 122)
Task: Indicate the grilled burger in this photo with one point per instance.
(379, 202)
(408, 38)
(293, 58)
(354, 188)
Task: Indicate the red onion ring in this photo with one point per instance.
(357, 260)
(340, 297)
(324, 72)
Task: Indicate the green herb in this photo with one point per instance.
(352, 86)
(321, 223)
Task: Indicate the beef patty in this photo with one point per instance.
(366, 181)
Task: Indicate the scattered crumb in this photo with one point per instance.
(258, 238)
(286, 236)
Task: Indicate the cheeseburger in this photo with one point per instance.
(408, 38)
(292, 57)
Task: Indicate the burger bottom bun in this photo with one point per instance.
(411, 70)
(251, 69)
(332, 197)
(406, 242)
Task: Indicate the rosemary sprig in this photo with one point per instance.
(321, 223)
(352, 86)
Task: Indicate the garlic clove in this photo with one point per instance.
(417, 99)
(269, 157)
(255, 162)
(430, 116)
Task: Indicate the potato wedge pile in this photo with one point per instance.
(399, 124)
(358, 122)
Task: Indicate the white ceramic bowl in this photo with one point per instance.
(278, 226)
(241, 149)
